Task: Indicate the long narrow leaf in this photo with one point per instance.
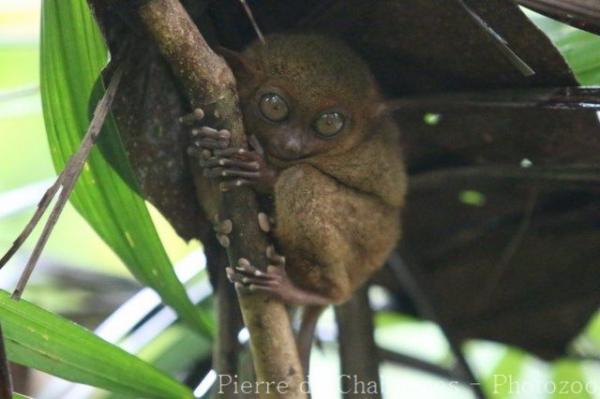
(73, 55)
(579, 48)
(37, 338)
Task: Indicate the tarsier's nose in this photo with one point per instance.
(293, 146)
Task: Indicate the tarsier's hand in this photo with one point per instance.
(233, 166)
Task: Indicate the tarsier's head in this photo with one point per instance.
(304, 94)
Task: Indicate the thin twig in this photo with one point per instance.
(582, 14)
(67, 180)
(20, 92)
(421, 365)
(559, 98)
(250, 15)
(500, 42)
(503, 266)
(41, 208)
(412, 283)
(583, 175)
(6, 387)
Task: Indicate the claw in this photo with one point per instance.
(246, 267)
(274, 257)
(196, 116)
(244, 263)
(224, 227)
(225, 134)
(263, 222)
(224, 240)
(207, 130)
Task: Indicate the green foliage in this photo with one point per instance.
(507, 370)
(472, 198)
(40, 339)
(73, 55)
(579, 48)
(569, 381)
(170, 352)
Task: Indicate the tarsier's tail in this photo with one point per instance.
(310, 317)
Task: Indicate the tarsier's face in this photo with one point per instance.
(290, 129)
(303, 96)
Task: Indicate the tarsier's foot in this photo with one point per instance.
(274, 280)
(223, 229)
(195, 116)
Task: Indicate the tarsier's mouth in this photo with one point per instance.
(279, 156)
(279, 160)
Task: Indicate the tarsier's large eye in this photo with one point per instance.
(329, 124)
(273, 107)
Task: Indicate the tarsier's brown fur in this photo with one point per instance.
(336, 212)
(336, 200)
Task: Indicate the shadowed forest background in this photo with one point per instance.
(80, 278)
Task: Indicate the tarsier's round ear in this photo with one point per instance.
(242, 67)
(379, 109)
(377, 106)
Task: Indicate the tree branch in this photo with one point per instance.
(421, 365)
(209, 84)
(560, 98)
(411, 280)
(576, 175)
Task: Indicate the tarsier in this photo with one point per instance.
(326, 164)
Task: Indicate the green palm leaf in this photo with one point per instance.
(40, 339)
(73, 55)
(579, 48)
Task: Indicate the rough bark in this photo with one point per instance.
(209, 84)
